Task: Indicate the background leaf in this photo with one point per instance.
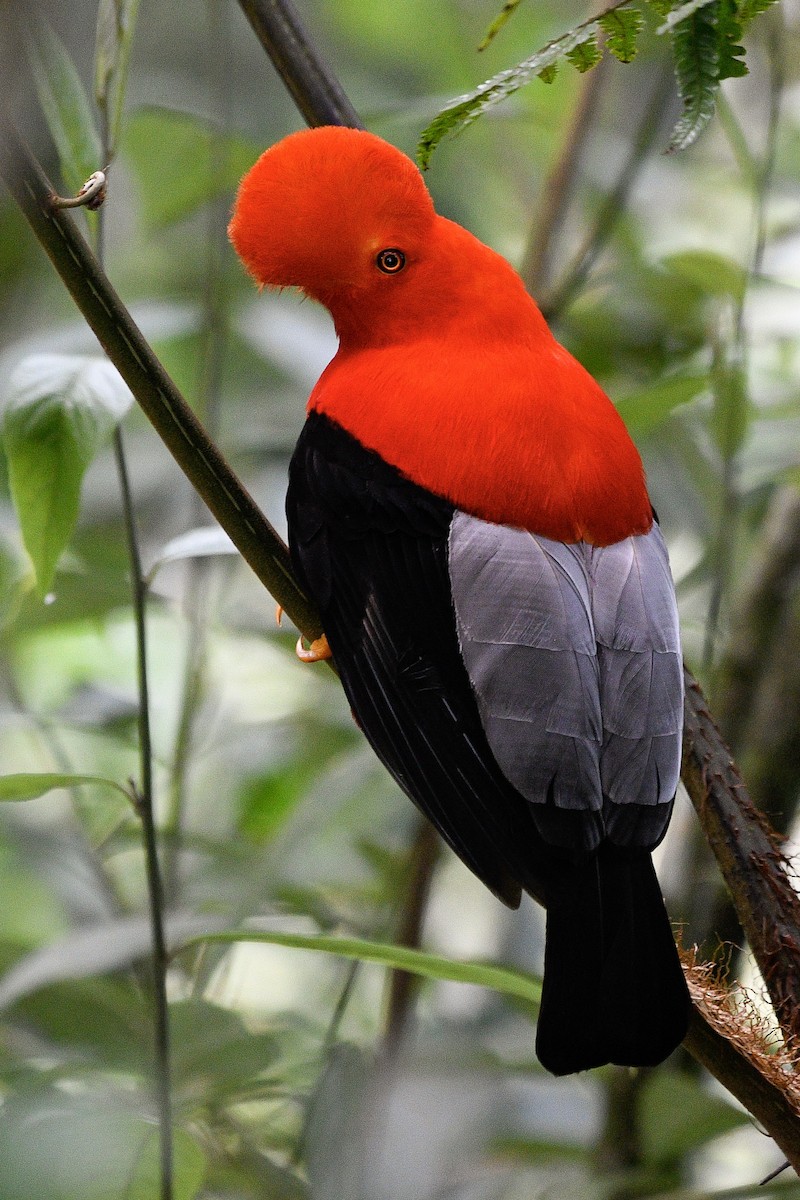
(695, 47)
(457, 115)
(208, 541)
(337, 1127)
(621, 29)
(171, 155)
(29, 787)
(59, 411)
(645, 410)
(65, 106)
(189, 1166)
(430, 966)
(585, 55)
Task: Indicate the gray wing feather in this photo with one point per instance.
(573, 653)
(523, 615)
(641, 672)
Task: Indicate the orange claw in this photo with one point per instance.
(278, 614)
(318, 651)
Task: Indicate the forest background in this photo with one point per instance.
(139, 1057)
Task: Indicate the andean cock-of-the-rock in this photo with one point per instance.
(470, 516)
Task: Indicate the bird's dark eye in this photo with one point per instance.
(390, 261)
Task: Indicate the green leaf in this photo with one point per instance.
(585, 55)
(678, 1115)
(16, 577)
(112, 945)
(418, 962)
(497, 24)
(729, 31)
(696, 52)
(99, 1018)
(116, 21)
(214, 1052)
(181, 162)
(747, 9)
(59, 411)
(711, 273)
(460, 113)
(645, 410)
(189, 1168)
(65, 106)
(549, 73)
(621, 29)
(30, 786)
(267, 802)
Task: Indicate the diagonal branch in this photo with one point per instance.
(750, 857)
(309, 80)
(184, 436)
(732, 1057)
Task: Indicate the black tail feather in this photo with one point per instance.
(614, 990)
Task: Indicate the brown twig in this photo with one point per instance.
(613, 205)
(403, 986)
(559, 184)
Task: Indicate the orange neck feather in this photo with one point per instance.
(467, 393)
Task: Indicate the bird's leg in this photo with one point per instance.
(319, 649)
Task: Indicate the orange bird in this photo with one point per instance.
(468, 512)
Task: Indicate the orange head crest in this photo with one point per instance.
(319, 208)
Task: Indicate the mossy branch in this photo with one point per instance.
(750, 857)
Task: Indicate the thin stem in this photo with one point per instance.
(145, 809)
(144, 796)
(738, 352)
(560, 182)
(198, 572)
(614, 203)
(328, 1043)
(403, 986)
(619, 1148)
(727, 359)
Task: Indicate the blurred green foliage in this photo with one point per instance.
(269, 803)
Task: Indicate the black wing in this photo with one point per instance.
(371, 548)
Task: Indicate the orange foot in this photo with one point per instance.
(318, 651)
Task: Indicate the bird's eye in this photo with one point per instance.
(390, 261)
